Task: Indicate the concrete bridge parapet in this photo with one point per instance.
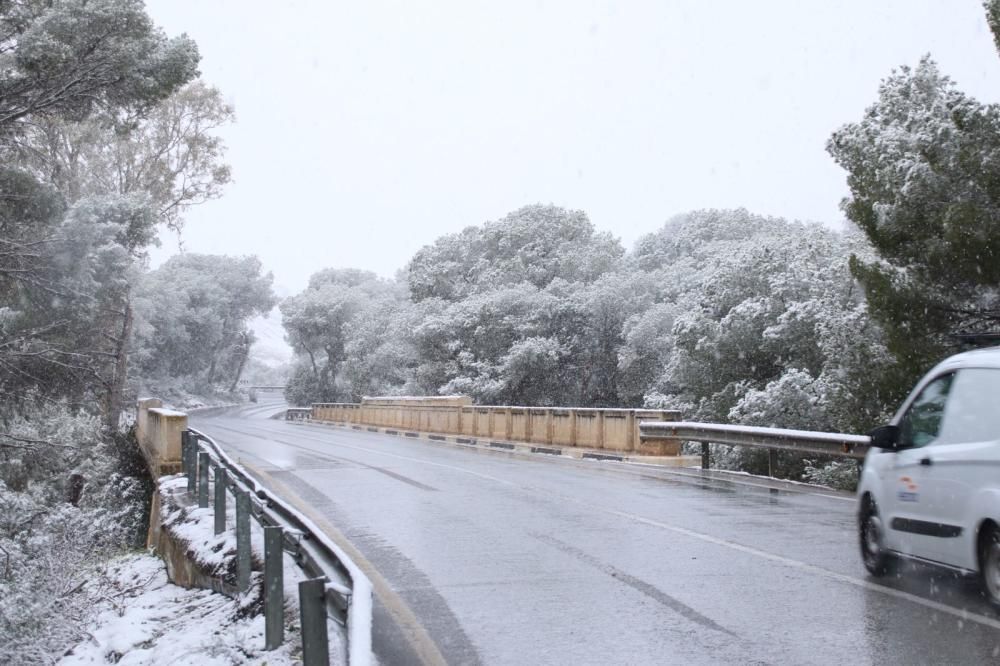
(158, 431)
(613, 430)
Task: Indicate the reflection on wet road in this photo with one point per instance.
(503, 558)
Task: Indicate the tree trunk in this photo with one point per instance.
(215, 351)
(211, 368)
(244, 355)
(116, 386)
(312, 360)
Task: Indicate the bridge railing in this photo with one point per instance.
(608, 429)
(773, 439)
(336, 588)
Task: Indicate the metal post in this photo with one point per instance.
(274, 589)
(192, 458)
(242, 541)
(706, 456)
(184, 451)
(203, 465)
(772, 461)
(220, 500)
(312, 611)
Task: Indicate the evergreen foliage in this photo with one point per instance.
(924, 173)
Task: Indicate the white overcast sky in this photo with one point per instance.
(366, 129)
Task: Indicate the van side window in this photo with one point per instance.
(923, 420)
(973, 410)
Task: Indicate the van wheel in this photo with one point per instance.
(989, 564)
(876, 558)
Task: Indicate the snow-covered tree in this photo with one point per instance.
(533, 245)
(74, 64)
(66, 259)
(170, 152)
(716, 314)
(193, 314)
(322, 321)
(768, 298)
(68, 58)
(923, 168)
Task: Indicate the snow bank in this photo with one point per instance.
(144, 619)
(147, 620)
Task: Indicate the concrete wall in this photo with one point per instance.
(611, 429)
(170, 512)
(159, 433)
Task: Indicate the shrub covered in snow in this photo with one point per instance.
(69, 498)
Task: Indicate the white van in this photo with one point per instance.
(930, 486)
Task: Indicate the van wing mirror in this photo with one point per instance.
(885, 437)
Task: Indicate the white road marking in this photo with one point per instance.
(810, 568)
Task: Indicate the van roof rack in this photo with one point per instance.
(977, 339)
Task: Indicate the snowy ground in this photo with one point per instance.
(145, 619)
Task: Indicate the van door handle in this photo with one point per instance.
(926, 461)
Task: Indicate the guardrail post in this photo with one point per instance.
(274, 589)
(184, 451)
(706, 456)
(772, 461)
(312, 611)
(220, 499)
(192, 460)
(242, 541)
(203, 465)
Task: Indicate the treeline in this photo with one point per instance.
(725, 315)
(106, 137)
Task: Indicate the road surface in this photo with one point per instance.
(493, 557)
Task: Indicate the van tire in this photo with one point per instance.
(871, 537)
(989, 563)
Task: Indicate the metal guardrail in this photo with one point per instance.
(773, 439)
(336, 588)
(298, 414)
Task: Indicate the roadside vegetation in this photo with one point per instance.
(106, 137)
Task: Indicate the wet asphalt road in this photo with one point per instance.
(487, 556)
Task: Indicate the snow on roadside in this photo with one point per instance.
(146, 620)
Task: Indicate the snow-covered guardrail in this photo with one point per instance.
(773, 439)
(336, 588)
